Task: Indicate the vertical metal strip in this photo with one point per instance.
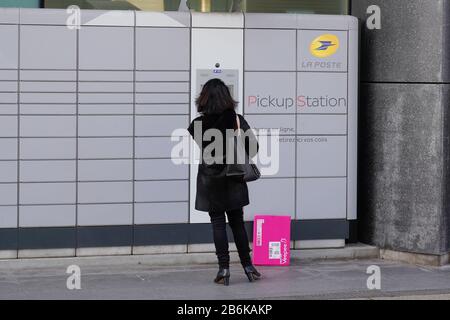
(243, 74)
(190, 117)
(77, 48)
(296, 126)
(348, 109)
(18, 135)
(134, 137)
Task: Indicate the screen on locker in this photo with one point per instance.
(229, 77)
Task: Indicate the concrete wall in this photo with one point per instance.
(404, 126)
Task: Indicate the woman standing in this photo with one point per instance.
(218, 194)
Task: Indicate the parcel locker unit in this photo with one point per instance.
(88, 114)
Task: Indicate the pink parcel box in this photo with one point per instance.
(271, 240)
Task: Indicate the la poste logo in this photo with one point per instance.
(324, 46)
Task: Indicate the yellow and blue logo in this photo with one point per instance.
(324, 46)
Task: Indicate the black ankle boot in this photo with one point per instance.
(252, 273)
(223, 276)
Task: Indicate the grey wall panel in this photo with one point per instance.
(156, 169)
(161, 213)
(8, 109)
(103, 170)
(9, 37)
(47, 238)
(321, 124)
(325, 22)
(35, 171)
(105, 126)
(213, 20)
(101, 87)
(109, 48)
(48, 75)
(162, 234)
(167, 55)
(107, 18)
(9, 239)
(47, 86)
(269, 92)
(8, 86)
(284, 123)
(162, 97)
(270, 20)
(48, 126)
(329, 229)
(47, 216)
(91, 148)
(322, 92)
(8, 97)
(307, 62)
(8, 171)
(8, 193)
(106, 236)
(323, 156)
(159, 125)
(8, 217)
(99, 75)
(8, 75)
(161, 191)
(86, 109)
(8, 126)
(48, 16)
(159, 76)
(9, 15)
(44, 97)
(162, 87)
(47, 193)
(321, 199)
(44, 148)
(105, 192)
(47, 47)
(55, 109)
(270, 50)
(154, 147)
(105, 214)
(105, 97)
(162, 109)
(163, 19)
(283, 161)
(9, 148)
(271, 196)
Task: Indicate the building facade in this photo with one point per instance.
(403, 119)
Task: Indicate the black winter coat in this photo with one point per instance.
(215, 191)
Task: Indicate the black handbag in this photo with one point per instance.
(242, 168)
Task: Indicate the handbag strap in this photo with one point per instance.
(238, 125)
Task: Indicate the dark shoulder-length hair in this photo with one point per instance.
(215, 98)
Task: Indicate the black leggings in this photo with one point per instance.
(236, 222)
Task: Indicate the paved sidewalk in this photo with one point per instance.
(303, 280)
